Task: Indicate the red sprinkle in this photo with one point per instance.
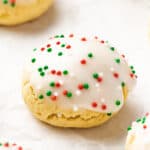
(53, 71)
(99, 79)
(131, 75)
(53, 98)
(96, 37)
(71, 35)
(144, 126)
(59, 73)
(42, 49)
(123, 55)
(20, 148)
(94, 104)
(83, 39)
(68, 46)
(57, 84)
(116, 75)
(80, 86)
(103, 107)
(147, 114)
(6, 145)
(102, 41)
(83, 61)
(65, 92)
(57, 43)
(48, 45)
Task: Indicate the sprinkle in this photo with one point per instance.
(42, 74)
(138, 120)
(123, 84)
(53, 71)
(65, 72)
(34, 49)
(129, 128)
(57, 84)
(109, 114)
(42, 49)
(45, 67)
(80, 86)
(90, 55)
(117, 60)
(20, 148)
(41, 96)
(147, 114)
(48, 45)
(131, 67)
(116, 75)
(49, 49)
(71, 35)
(69, 94)
(112, 48)
(133, 71)
(95, 75)
(117, 102)
(143, 120)
(83, 39)
(62, 45)
(86, 85)
(123, 55)
(5, 1)
(103, 107)
(131, 75)
(33, 60)
(56, 36)
(94, 104)
(99, 79)
(58, 43)
(58, 73)
(52, 84)
(53, 98)
(102, 41)
(40, 69)
(83, 61)
(65, 92)
(144, 126)
(68, 46)
(62, 36)
(60, 53)
(48, 93)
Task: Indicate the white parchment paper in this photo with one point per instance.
(123, 22)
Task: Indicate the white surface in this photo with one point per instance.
(123, 22)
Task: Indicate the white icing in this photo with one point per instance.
(102, 62)
(140, 136)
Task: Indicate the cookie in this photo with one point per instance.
(139, 134)
(13, 12)
(74, 81)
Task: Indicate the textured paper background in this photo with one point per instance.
(123, 22)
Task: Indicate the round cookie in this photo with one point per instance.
(13, 12)
(9, 146)
(139, 134)
(76, 81)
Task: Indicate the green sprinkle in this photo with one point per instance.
(33, 60)
(117, 102)
(41, 96)
(40, 69)
(45, 67)
(117, 61)
(86, 85)
(95, 75)
(60, 54)
(42, 74)
(112, 48)
(48, 93)
(69, 94)
(34, 49)
(65, 72)
(90, 55)
(0, 144)
(62, 36)
(49, 49)
(138, 120)
(52, 84)
(62, 45)
(129, 128)
(5, 1)
(13, 4)
(123, 84)
(133, 71)
(131, 67)
(109, 114)
(143, 120)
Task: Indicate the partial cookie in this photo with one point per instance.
(13, 12)
(74, 81)
(9, 146)
(139, 134)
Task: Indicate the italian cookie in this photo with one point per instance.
(13, 12)
(9, 146)
(73, 81)
(139, 134)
